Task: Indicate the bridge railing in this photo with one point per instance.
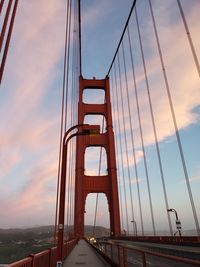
(124, 256)
(47, 258)
(176, 240)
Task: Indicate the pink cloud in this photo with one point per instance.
(37, 196)
(29, 126)
(183, 82)
(36, 48)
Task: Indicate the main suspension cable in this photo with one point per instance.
(122, 36)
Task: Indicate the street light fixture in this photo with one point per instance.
(178, 222)
(85, 129)
(134, 227)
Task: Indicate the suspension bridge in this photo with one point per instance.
(129, 139)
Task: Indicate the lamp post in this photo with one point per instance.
(134, 227)
(178, 222)
(86, 129)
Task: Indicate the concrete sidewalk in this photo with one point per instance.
(83, 254)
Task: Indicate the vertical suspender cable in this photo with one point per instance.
(61, 124)
(79, 20)
(70, 173)
(69, 188)
(131, 127)
(67, 55)
(8, 40)
(78, 57)
(189, 37)
(5, 23)
(1, 5)
(95, 214)
(75, 74)
(175, 124)
(70, 192)
(125, 136)
(140, 129)
(117, 150)
(132, 135)
(97, 195)
(120, 138)
(154, 128)
(120, 192)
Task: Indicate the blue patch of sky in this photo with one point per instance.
(100, 38)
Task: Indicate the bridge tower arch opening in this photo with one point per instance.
(106, 184)
(95, 161)
(102, 217)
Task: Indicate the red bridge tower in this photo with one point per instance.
(106, 184)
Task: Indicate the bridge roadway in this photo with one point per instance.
(188, 252)
(83, 254)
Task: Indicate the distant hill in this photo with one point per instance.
(99, 231)
(45, 232)
(48, 231)
(16, 244)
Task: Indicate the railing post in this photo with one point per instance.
(67, 248)
(111, 251)
(106, 249)
(143, 259)
(50, 252)
(124, 251)
(118, 250)
(32, 256)
(120, 256)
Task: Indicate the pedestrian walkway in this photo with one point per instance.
(83, 254)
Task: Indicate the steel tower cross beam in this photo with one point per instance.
(106, 184)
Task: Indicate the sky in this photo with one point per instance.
(30, 99)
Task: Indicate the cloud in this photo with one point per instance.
(29, 110)
(7, 162)
(134, 181)
(184, 86)
(131, 161)
(92, 161)
(30, 104)
(38, 189)
(102, 210)
(36, 196)
(194, 178)
(183, 82)
(93, 13)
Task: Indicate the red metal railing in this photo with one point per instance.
(27, 262)
(182, 240)
(45, 258)
(124, 256)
